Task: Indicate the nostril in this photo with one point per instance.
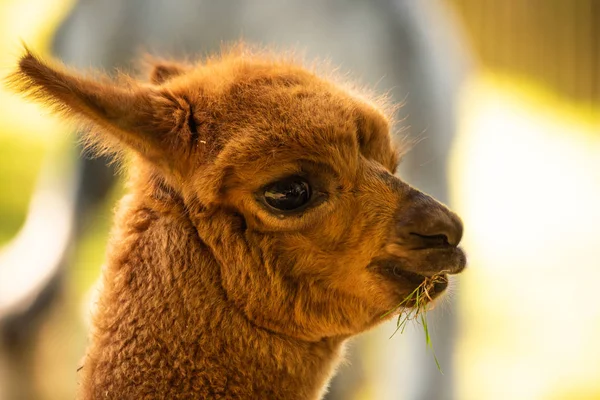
(432, 241)
(427, 223)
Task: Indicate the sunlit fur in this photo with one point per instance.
(207, 292)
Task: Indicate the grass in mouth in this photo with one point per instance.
(421, 298)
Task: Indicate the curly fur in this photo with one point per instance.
(209, 293)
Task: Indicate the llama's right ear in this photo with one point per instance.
(161, 71)
(130, 114)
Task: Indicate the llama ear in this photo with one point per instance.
(161, 70)
(129, 114)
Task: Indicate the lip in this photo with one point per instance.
(392, 269)
(428, 268)
(439, 283)
(452, 259)
(427, 261)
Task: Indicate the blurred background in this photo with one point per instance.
(503, 98)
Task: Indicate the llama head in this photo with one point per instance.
(288, 178)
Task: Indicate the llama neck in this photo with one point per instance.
(164, 326)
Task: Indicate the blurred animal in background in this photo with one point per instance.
(263, 225)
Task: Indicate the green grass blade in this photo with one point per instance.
(420, 296)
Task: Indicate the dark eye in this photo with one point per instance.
(288, 194)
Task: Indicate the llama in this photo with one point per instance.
(262, 228)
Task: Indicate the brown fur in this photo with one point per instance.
(210, 293)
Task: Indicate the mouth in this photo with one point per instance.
(433, 285)
(433, 268)
(438, 283)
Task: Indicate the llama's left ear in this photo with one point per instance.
(141, 117)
